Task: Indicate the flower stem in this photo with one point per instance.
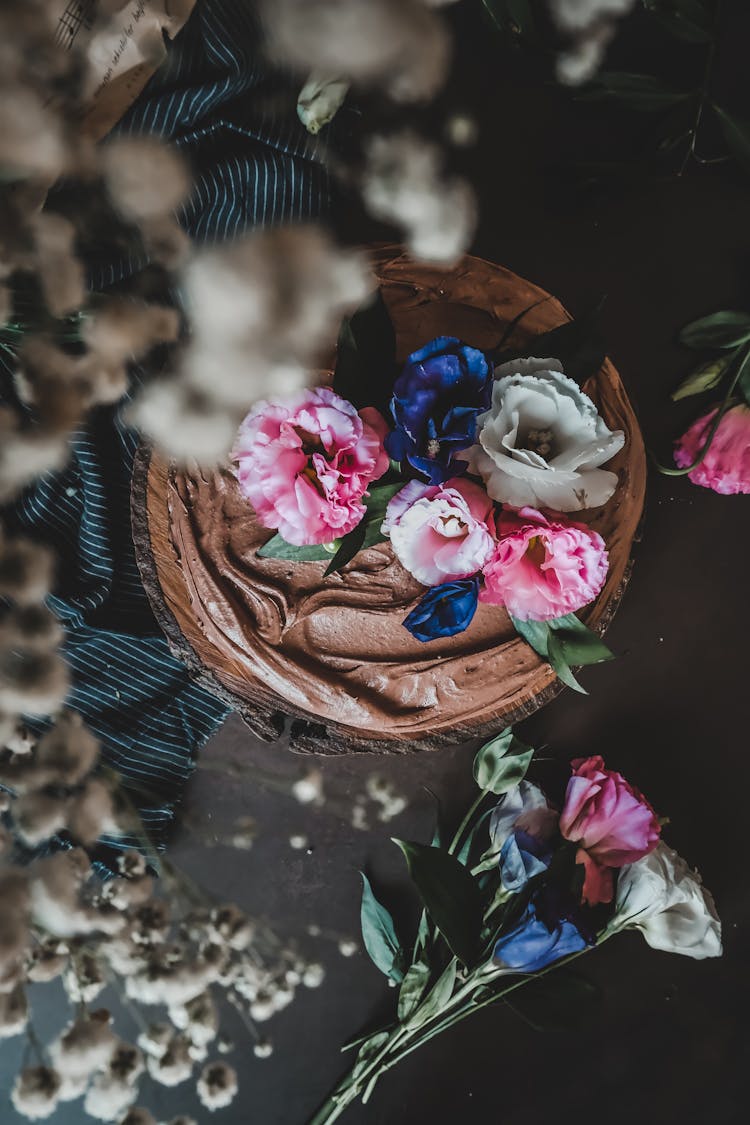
(465, 823)
(401, 1041)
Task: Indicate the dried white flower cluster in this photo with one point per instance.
(52, 784)
(403, 184)
(590, 26)
(260, 310)
(399, 46)
(140, 182)
(383, 794)
(60, 920)
(33, 677)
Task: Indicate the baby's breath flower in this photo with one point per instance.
(217, 1085)
(35, 1093)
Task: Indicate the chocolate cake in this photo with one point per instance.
(279, 640)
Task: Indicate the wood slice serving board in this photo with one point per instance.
(279, 642)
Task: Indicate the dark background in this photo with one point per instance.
(671, 1040)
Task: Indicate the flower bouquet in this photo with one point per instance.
(526, 885)
(471, 463)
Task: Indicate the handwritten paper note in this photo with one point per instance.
(123, 51)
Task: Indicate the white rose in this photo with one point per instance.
(666, 901)
(542, 442)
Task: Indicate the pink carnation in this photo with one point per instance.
(726, 466)
(609, 820)
(305, 462)
(543, 569)
(440, 533)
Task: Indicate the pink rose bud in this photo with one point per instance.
(440, 533)
(304, 464)
(609, 820)
(726, 466)
(543, 568)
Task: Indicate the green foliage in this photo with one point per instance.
(278, 548)
(450, 894)
(513, 16)
(412, 988)
(366, 356)
(379, 934)
(703, 378)
(437, 998)
(689, 20)
(578, 344)
(724, 329)
(737, 135)
(502, 763)
(559, 1001)
(367, 532)
(642, 92)
(564, 641)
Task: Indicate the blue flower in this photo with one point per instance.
(522, 827)
(534, 943)
(444, 610)
(436, 400)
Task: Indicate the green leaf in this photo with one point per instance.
(578, 344)
(560, 666)
(514, 16)
(366, 356)
(559, 1001)
(687, 19)
(535, 633)
(579, 644)
(642, 92)
(379, 934)
(438, 997)
(278, 548)
(704, 378)
(349, 546)
(369, 1048)
(412, 988)
(737, 135)
(502, 763)
(450, 894)
(564, 641)
(367, 532)
(725, 329)
(465, 849)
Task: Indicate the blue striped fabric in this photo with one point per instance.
(253, 165)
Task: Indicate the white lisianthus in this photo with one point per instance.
(660, 896)
(542, 442)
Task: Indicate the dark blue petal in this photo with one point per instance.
(435, 347)
(532, 945)
(517, 865)
(437, 397)
(444, 610)
(398, 444)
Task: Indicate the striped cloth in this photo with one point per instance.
(253, 164)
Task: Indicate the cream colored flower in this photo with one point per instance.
(660, 896)
(542, 442)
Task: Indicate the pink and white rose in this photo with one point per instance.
(305, 462)
(543, 568)
(440, 533)
(726, 466)
(612, 823)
